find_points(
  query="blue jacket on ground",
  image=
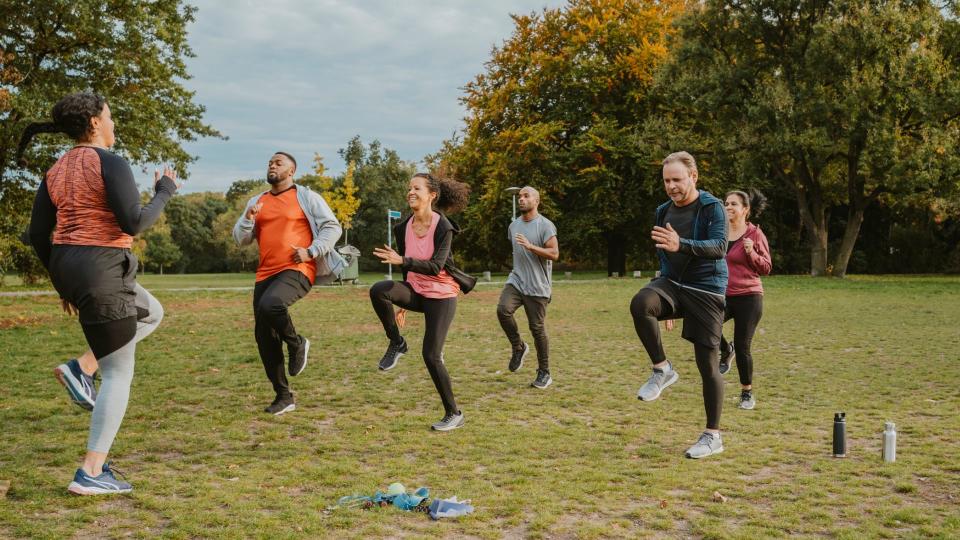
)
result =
(707, 270)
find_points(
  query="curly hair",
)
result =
(71, 115)
(752, 200)
(452, 195)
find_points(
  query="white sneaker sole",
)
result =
(450, 427)
(714, 452)
(77, 489)
(396, 360)
(66, 378)
(666, 385)
(288, 408)
(549, 382)
(306, 351)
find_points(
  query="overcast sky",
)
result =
(305, 76)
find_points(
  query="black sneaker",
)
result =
(746, 400)
(516, 359)
(725, 356)
(298, 357)
(281, 405)
(543, 379)
(393, 354)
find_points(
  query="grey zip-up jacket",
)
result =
(323, 224)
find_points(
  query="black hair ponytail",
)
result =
(71, 115)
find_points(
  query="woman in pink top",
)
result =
(748, 258)
(430, 281)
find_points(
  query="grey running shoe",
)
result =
(516, 359)
(725, 356)
(298, 357)
(280, 406)
(79, 385)
(746, 400)
(543, 379)
(393, 354)
(707, 445)
(449, 422)
(657, 383)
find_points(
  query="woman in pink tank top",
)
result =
(430, 283)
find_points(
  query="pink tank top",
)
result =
(439, 286)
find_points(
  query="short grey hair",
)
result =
(682, 157)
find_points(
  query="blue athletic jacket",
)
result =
(707, 270)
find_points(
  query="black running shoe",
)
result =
(725, 356)
(516, 359)
(393, 354)
(281, 405)
(543, 379)
(298, 357)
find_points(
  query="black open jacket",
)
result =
(442, 258)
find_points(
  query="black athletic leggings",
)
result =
(271, 299)
(648, 308)
(745, 312)
(438, 313)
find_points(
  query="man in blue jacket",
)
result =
(691, 240)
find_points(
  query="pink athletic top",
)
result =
(416, 247)
(745, 269)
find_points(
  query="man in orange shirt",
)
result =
(296, 232)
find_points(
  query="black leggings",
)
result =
(648, 308)
(745, 312)
(438, 313)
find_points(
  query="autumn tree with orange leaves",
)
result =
(559, 107)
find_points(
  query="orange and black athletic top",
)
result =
(280, 225)
(89, 198)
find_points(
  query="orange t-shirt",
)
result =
(282, 224)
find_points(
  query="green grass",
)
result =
(583, 459)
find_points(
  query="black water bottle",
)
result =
(840, 435)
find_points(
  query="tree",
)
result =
(160, 250)
(343, 200)
(130, 51)
(844, 104)
(559, 107)
(381, 179)
(191, 221)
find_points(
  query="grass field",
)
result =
(583, 459)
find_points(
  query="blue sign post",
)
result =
(391, 215)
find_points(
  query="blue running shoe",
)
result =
(78, 384)
(105, 484)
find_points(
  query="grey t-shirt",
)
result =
(681, 219)
(531, 275)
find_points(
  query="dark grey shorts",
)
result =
(100, 281)
(701, 311)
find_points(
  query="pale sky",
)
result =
(305, 76)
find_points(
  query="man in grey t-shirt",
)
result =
(534, 240)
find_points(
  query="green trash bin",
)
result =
(352, 256)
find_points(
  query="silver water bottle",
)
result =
(889, 442)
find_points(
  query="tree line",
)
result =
(846, 114)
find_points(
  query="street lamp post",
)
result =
(513, 192)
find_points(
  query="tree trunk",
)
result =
(850, 234)
(616, 253)
(161, 269)
(814, 217)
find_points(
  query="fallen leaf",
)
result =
(718, 497)
(663, 504)
(233, 466)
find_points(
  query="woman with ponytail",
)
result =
(748, 258)
(85, 215)
(430, 283)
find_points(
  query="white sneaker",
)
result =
(658, 382)
(707, 445)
